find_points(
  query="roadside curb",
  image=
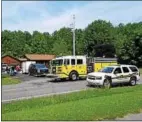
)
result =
(131, 117)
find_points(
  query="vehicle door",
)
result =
(73, 64)
(67, 67)
(81, 67)
(90, 65)
(117, 76)
(126, 74)
(34, 70)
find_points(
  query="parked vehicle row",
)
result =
(97, 71)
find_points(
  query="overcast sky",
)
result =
(48, 16)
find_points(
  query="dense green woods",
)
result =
(127, 41)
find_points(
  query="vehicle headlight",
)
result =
(38, 70)
(98, 78)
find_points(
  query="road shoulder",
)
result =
(132, 117)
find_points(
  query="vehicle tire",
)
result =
(73, 76)
(133, 81)
(29, 74)
(107, 83)
(36, 75)
(88, 84)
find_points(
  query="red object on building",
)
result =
(10, 60)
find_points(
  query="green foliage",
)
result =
(62, 42)
(127, 40)
(98, 32)
(131, 48)
(91, 104)
(140, 70)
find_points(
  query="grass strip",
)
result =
(140, 70)
(92, 104)
(9, 80)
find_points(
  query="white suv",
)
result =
(114, 74)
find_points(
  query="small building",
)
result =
(10, 60)
(34, 58)
(27, 60)
(40, 58)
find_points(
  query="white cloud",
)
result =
(116, 12)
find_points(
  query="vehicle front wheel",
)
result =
(107, 84)
(133, 81)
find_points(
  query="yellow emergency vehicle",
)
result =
(75, 67)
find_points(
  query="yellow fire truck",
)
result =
(75, 67)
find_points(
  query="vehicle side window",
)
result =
(79, 61)
(117, 71)
(125, 69)
(72, 61)
(67, 61)
(133, 69)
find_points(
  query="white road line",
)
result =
(9, 90)
(21, 98)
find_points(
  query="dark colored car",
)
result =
(38, 69)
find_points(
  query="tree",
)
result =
(98, 32)
(97, 39)
(63, 38)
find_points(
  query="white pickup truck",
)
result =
(114, 75)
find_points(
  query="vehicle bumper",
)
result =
(138, 78)
(55, 77)
(94, 82)
(42, 74)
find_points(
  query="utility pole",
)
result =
(74, 35)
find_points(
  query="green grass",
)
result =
(140, 70)
(7, 80)
(92, 104)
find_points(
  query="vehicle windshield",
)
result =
(40, 66)
(107, 70)
(57, 62)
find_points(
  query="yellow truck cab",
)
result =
(75, 67)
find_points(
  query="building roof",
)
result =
(39, 57)
(22, 59)
(10, 56)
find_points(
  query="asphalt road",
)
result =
(39, 86)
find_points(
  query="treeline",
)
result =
(126, 39)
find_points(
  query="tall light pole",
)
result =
(72, 26)
(74, 35)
